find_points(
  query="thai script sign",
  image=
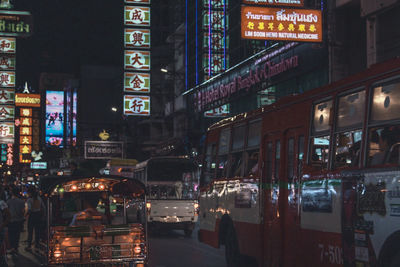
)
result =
(7, 79)
(137, 1)
(137, 105)
(137, 16)
(7, 113)
(137, 60)
(137, 82)
(302, 25)
(239, 83)
(7, 45)
(7, 131)
(7, 96)
(15, 23)
(298, 3)
(7, 62)
(27, 100)
(137, 38)
(103, 149)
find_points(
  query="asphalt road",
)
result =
(166, 249)
(173, 249)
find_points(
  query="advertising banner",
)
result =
(7, 79)
(8, 45)
(7, 113)
(7, 62)
(296, 3)
(27, 100)
(137, 60)
(7, 96)
(137, 16)
(135, 82)
(262, 23)
(39, 165)
(103, 149)
(137, 38)
(137, 1)
(15, 23)
(7, 131)
(221, 111)
(137, 105)
(54, 118)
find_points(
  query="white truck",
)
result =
(172, 192)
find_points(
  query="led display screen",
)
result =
(54, 118)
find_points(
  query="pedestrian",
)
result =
(35, 210)
(16, 207)
(4, 220)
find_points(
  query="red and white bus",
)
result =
(312, 180)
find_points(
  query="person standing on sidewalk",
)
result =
(35, 211)
(4, 220)
(16, 207)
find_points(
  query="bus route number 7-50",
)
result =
(332, 253)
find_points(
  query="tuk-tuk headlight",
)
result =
(137, 249)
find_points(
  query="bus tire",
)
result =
(232, 253)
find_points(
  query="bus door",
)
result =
(272, 227)
(292, 152)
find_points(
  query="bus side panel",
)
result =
(210, 237)
(320, 249)
(250, 239)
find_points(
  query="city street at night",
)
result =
(200, 133)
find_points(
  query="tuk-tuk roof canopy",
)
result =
(116, 184)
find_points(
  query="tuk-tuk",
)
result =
(98, 220)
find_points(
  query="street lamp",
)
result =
(164, 70)
(114, 109)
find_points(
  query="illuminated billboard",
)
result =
(137, 16)
(262, 23)
(137, 105)
(7, 113)
(298, 3)
(7, 62)
(7, 45)
(27, 100)
(137, 38)
(7, 79)
(135, 82)
(7, 96)
(7, 131)
(137, 1)
(54, 118)
(137, 60)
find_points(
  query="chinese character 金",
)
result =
(136, 82)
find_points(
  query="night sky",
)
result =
(67, 35)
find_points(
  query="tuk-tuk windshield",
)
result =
(76, 203)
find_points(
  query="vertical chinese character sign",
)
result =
(7, 97)
(137, 58)
(215, 45)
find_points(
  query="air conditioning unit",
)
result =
(369, 7)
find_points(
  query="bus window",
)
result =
(236, 159)
(209, 168)
(348, 146)
(224, 140)
(268, 162)
(386, 102)
(319, 152)
(322, 112)
(290, 160)
(300, 155)
(384, 144)
(253, 147)
(277, 159)
(350, 116)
